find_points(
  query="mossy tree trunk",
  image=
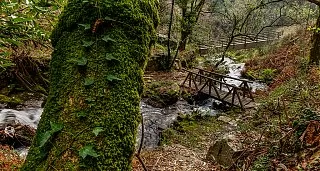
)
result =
(315, 49)
(91, 116)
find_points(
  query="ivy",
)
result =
(55, 128)
(97, 130)
(88, 81)
(82, 61)
(88, 151)
(87, 43)
(113, 78)
(107, 39)
(110, 57)
(82, 114)
(85, 26)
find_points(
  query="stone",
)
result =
(155, 62)
(227, 120)
(226, 150)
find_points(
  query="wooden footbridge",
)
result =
(241, 42)
(215, 85)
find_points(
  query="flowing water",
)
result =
(155, 119)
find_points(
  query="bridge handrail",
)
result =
(221, 82)
(208, 86)
(214, 73)
(263, 36)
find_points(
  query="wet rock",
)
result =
(17, 135)
(163, 100)
(157, 120)
(9, 102)
(203, 50)
(161, 94)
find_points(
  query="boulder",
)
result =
(226, 150)
(156, 62)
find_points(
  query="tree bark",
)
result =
(183, 41)
(91, 116)
(315, 50)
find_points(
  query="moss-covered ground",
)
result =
(192, 131)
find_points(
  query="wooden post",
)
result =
(240, 102)
(210, 84)
(233, 94)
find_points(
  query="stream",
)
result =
(155, 119)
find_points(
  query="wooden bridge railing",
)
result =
(244, 85)
(264, 36)
(218, 88)
(241, 42)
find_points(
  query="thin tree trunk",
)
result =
(183, 41)
(315, 50)
(91, 116)
(169, 37)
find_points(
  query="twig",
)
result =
(141, 144)
(142, 135)
(156, 162)
(142, 163)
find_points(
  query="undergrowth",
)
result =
(288, 114)
(286, 109)
(9, 160)
(281, 63)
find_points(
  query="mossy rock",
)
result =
(10, 101)
(156, 62)
(161, 94)
(164, 99)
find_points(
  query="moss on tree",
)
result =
(101, 48)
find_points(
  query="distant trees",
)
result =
(246, 18)
(92, 112)
(190, 11)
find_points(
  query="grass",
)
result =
(244, 55)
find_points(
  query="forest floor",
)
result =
(282, 133)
